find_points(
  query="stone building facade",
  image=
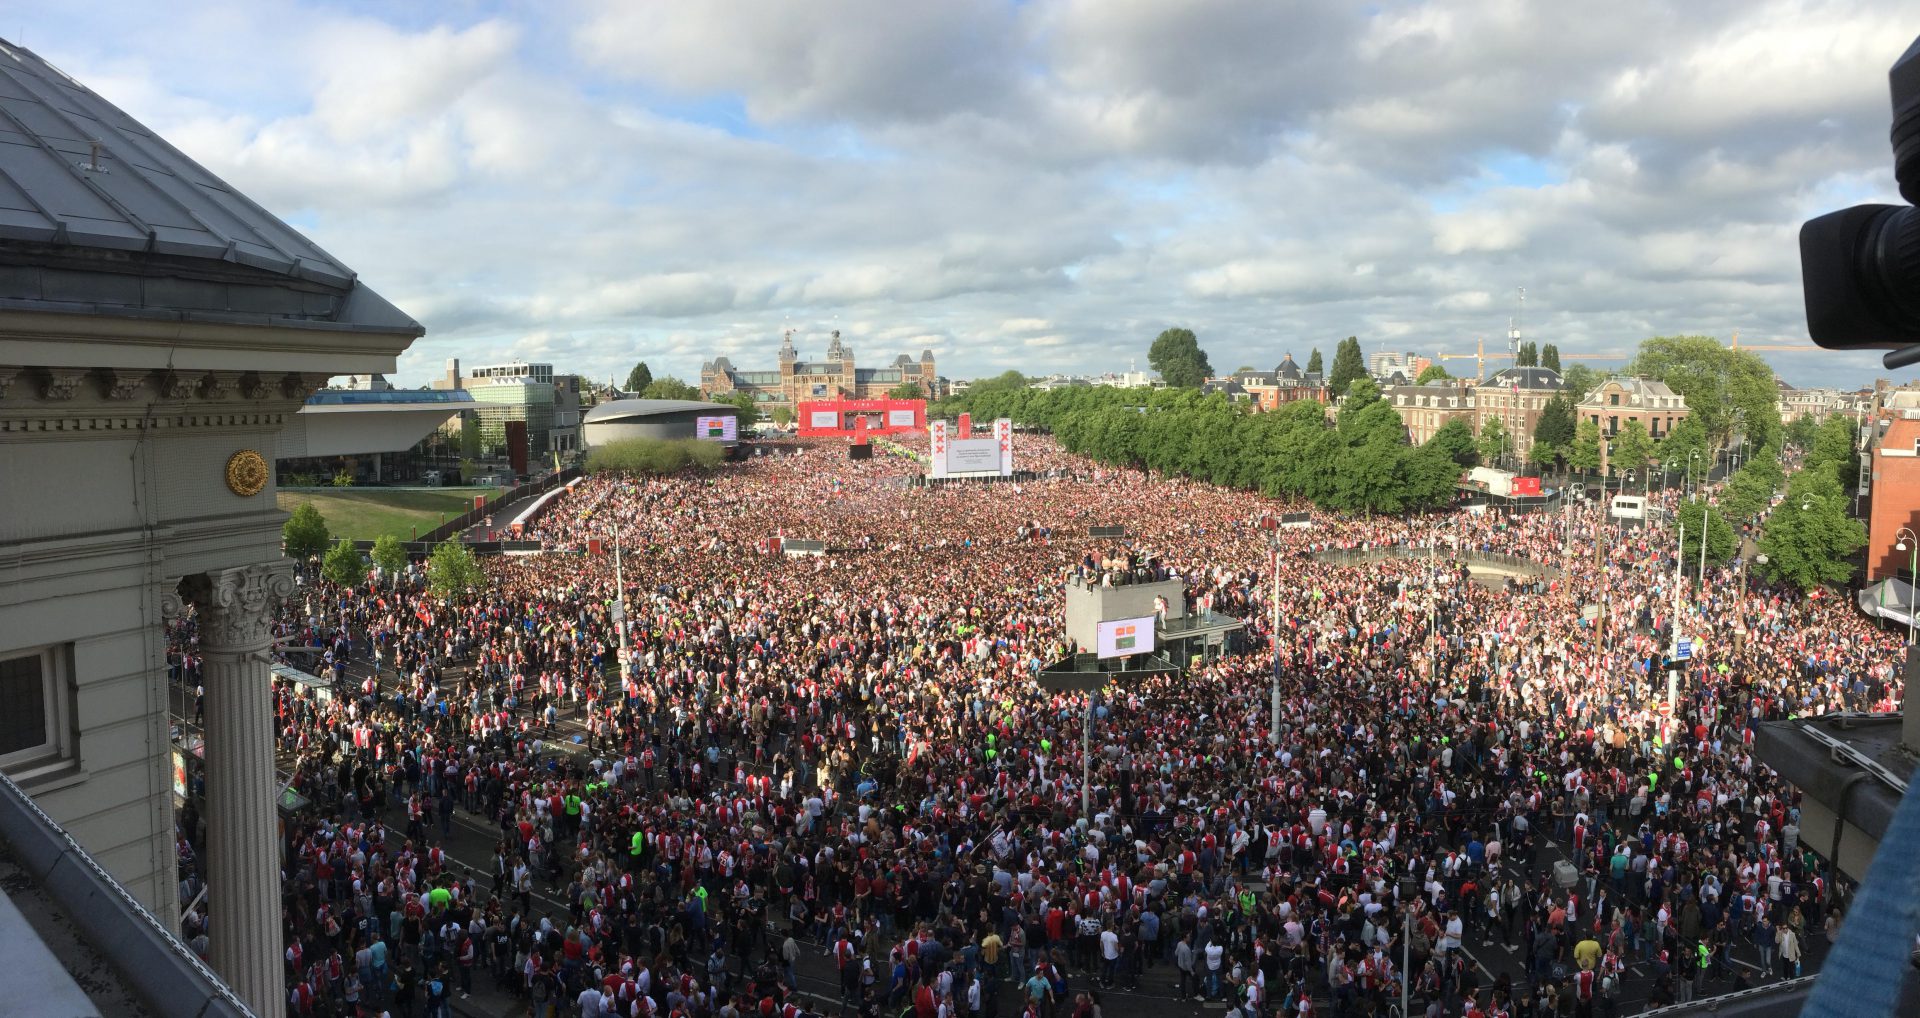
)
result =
(833, 377)
(1620, 400)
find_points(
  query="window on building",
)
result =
(1613, 426)
(1613, 399)
(34, 724)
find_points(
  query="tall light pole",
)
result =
(1273, 721)
(1910, 543)
(620, 613)
(1673, 639)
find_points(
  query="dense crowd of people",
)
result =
(849, 755)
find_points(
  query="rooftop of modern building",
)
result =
(621, 408)
(101, 216)
(387, 397)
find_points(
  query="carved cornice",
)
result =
(120, 385)
(59, 384)
(236, 605)
(219, 384)
(252, 386)
(7, 375)
(180, 384)
(123, 420)
(299, 385)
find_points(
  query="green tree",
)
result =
(304, 535)
(1721, 540)
(1833, 451)
(669, 387)
(1802, 430)
(1176, 354)
(749, 415)
(391, 556)
(1348, 364)
(1554, 432)
(1432, 372)
(639, 378)
(1550, 357)
(1719, 385)
(1581, 380)
(1527, 355)
(783, 415)
(343, 565)
(1684, 447)
(1584, 452)
(1809, 539)
(1314, 362)
(470, 435)
(452, 570)
(1494, 443)
(1631, 449)
(1454, 440)
(905, 390)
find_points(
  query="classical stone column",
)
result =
(243, 845)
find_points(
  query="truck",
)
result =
(1504, 483)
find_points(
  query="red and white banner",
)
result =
(937, 452)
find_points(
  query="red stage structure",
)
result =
(842, 418)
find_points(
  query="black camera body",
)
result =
(1860, 267)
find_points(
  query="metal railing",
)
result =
(493, 505)
(170, 979)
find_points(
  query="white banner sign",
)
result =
(937, 451)
(899, 418)
(974, 456)
(823, 419)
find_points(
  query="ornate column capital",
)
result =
(236, 605)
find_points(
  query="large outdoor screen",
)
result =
(823, 418)
(899, 418)
(716, 429)
(970, 455)
(1121, 637)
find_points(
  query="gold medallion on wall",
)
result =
(246, 473)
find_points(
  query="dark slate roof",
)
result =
(1287, 369)
(1528, 378)
(99, 214)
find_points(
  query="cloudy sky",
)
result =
(1041, 185)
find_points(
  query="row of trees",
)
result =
(1811, 537)
(1359, 462)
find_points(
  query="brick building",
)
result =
(1515, 396)
(1425, 409)
(1271, 390)
(1619, 400)
(1894, 494)
(833, 377)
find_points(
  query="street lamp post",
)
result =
(1910, 543)
(1273, 721)
(620, 613)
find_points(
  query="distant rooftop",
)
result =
(362, 397)
(99, 215)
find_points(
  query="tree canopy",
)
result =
(1584, 452)
(305, 533)
(1432, 372)
(1314, 363)
(1809, 539)
(1362, 462)
(653, 456)
(1631, 449)
(1555, 429)
(639, 378)
(1527, 355)
(749, 409)
(1726, 389)
(1721, 542)
(669, 387)
(1348, 364)
(1581, 380)
(906, 390)
(344, 565)
(390, 555)
(1176, 354)
(1550, 357)
(452, 570)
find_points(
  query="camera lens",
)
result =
(1904, 82)
(1890, 260)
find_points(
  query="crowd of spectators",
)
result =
(848, 755)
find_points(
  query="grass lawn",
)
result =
(363, 514)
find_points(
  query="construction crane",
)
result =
(1801, 347)
(1479, 357)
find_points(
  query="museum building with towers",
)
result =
(832, 377)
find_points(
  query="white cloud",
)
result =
(1042, 185)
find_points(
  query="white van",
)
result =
(1628, 507)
